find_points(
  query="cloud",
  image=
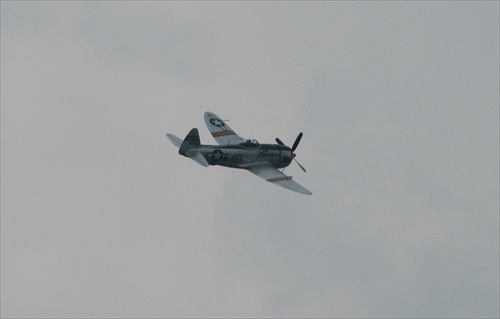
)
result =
(399, 108)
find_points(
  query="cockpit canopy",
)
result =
(250, 143)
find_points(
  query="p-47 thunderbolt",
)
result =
(233, 151)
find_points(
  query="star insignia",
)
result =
(217, 122)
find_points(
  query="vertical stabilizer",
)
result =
(190, 147)
(191, 140)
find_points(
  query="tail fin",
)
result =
(192, 139)
(189, 145)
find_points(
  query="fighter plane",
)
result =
(233, 151)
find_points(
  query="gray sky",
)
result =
(399, 105)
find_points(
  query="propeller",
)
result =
(297, 141)
(299, 165)
(294, 147)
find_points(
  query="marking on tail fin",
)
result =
(192, 140)
(193, 137)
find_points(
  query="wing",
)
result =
(271, 174)
(221, 132)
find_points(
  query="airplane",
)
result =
(234, 151)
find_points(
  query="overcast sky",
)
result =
(399, 105)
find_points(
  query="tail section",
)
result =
(189, 147)
(191, 140)
(174, 139)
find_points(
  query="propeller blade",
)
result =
(279, 141)
(296, 143)
(299, 165)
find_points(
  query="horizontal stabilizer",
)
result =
(197, 157)
(189, 145)
(175, 140)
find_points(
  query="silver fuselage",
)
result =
(239, 156)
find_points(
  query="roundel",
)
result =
(217, 122)
(217, 155)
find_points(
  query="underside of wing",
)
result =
(272, 175)
(221, 132)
